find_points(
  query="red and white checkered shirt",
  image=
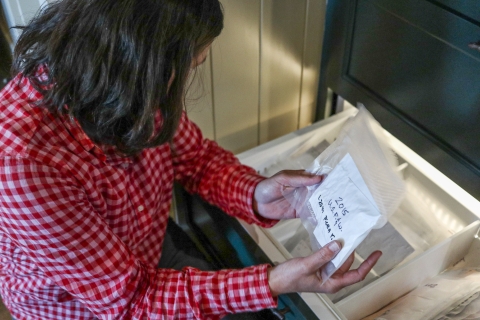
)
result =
(81, 228)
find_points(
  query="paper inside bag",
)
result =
(344, 209)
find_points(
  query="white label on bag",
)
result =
(344, 208)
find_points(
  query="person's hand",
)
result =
(304, 274)
(269, 197)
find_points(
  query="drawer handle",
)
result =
(474, 45)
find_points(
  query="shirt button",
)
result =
(140, 208)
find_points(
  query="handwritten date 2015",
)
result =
(338, 209)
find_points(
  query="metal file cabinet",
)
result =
(415, 65)
(232, 243)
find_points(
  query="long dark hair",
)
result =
(108, 63)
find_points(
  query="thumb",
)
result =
(318, 259)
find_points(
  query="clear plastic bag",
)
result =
(299, 158)
(362, 140)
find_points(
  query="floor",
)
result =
(4, 314)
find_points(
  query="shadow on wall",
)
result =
(271, 127)
(5, 64)
(6, 44)
(4, 314)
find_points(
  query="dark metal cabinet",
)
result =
(412, 64)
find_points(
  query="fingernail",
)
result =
(334, 246)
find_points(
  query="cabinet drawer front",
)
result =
(469, 9)
(414, 57)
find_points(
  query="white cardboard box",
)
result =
(455, 212)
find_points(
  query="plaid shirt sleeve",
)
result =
(215, 174)
(49, 216)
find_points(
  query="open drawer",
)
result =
(438, 220)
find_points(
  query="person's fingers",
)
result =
(368, 264)
(319, 258)
(346, 265)
(298, 178)
(354, 276)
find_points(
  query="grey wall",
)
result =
(260, 81)
(263, 73)
(19, 12)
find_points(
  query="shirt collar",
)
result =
(77, 133)
(104, 153)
